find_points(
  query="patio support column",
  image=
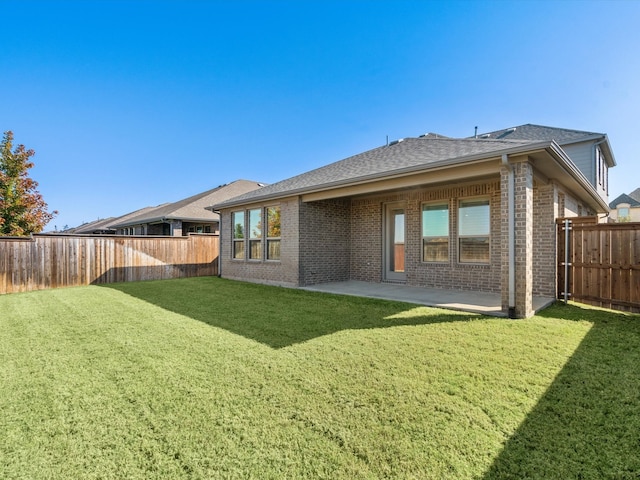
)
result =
(522, 236)
(523, 172)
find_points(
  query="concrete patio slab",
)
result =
(466, 301)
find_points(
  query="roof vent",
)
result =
(511, 130)
(395, 142)
(486, 135)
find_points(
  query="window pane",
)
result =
(255, 224)
(273, 222)
(435, 221)
(398, 228)
(238, 249)
(474, 250)
(255, 249)
(238, 224)
(474, 217)
(435, 249)
(273, 249)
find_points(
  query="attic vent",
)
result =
(486, 135)
(395, 142)
(261, 184)
(511, 130)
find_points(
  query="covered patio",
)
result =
(463, 300)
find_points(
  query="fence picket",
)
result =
(605, 263)
(52, 261)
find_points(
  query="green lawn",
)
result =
(209, 378)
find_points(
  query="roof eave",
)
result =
(162, 219)
(452, 162)
(567, 164)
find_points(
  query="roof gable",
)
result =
(624, 198)
(635, 194)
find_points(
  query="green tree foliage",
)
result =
(22, 209)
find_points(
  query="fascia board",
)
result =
(362, 180)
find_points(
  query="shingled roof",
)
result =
(635, 194)
(100, 225)
(193, 208)
(398, 157)
(624, 198)
(539, 133)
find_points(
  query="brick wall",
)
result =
(324, 241)
(367, 237)
(283, 272)
(545, 211)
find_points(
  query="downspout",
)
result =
(511, 215)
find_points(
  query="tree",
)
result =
(22, 209)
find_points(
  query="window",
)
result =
(255, 234)
(258, 245)
(435, 233)
(600, 166)
(624, 214)
(237, 219)
(273, 233)
(473, 231)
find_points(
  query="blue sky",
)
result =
(136, 103)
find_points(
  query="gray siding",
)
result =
(582, 156)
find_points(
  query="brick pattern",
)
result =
(367, 237)
(545, 211)
(523, 172)
(325, 241)
(284, 272)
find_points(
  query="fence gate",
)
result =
(599, 263)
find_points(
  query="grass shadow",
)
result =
(587, 424)
(276, 316)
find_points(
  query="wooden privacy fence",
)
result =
(52, 261)
(599, 264)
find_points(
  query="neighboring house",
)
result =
(626, 208)
(97, 227)
(185, 216)
(105, 226)
(454, 213)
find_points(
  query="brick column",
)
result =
(504, 237)
(523, 235)
(523, 173)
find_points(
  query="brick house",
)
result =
(475, 214)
